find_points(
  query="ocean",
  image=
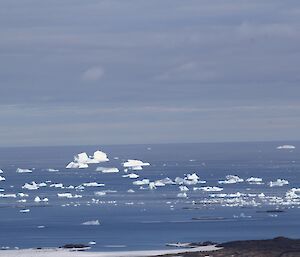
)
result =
(142, 218)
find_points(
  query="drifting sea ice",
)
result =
(253, 180)
(32, 186)
(107, 170)
(287, 147)
(131, 175)
(75, 165)
(141, 182)
(183, 188)
(68, 195)
(2, 178)
(279, 183)
(19, 170)
(93, 184)
(100, 156)
(293, 193)
(208, 189)
(100, 193)
(135, 164)
(91, 223)
(1, 171)
(24, 211)
(182, 195)
(8, 195)
(231, 179)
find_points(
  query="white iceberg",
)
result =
(231, 179)
(130, 191)
(1, 171)
(37, 199)
(91, 223)
(159, 183)
(100, 193)
(24, 211)
(182, 195)
(93, 184)
(107, 170)
(141, 182)
(75, 165)
(254, 180)
(100, 156)
(293, 193)
(193, 176)
(2, 178)
(279, 183)
(183, 188)
(135, 164)
(57, 185)
(68, 195)
(209, 189)
(32, 186)
(131, 175)
(8, 195)
(19, 170)
(52, 170)
(286, 147)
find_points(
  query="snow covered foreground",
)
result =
(66, 253)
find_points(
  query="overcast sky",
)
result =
(140, 71)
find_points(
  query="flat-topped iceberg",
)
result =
(141, 182)
(107, 170)
(135, 164)
(231, 179)
(19, 170)
(75, 165)
(279, 183)
(131, 175)
(209, 189)
(32, 186)
(254, 180)
(91, 223)
(93, 184)
(68, 195)
(287, 147)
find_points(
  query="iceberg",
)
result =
(130, 191)
(2, 178)
(91, 223)
(293, 193)
(193, 176)
(183, 188)
(182, 195)
(32, 186)
(8, 195)
(68, 195)
(141, 182)
(19, 170)
(100, 156)
(107, 170)
(279, 182)
(75, 165)
(231, 179)
(253, 180)
(37, 199)
(24, 211)
(131, 175)
(159, 183)
(286, 147)
(93, 184)
(135, 164)
(209, 189)
(100, 193)
(57, 185)
(52, 170)
(1, 171)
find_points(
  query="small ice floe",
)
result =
(75, 165)
(1, 171)
(131, 175)
(32, 186)
(52, 170)
(8, 195)
(253, 180)
(57, 185)
(24, 210)
(152, 185)
(231, 179)
(41, 226)
(279, 183)
(107, 170)
(2, 190)
(92, 243)
(2, 178)
(159, 183)
(130, 191)
(22, 201)
(135, 164)
(37, 199)
(19, 170)
(100, 193)
(91, 223)
(141, 182)
(293, 193)
(189, 179)
(68, 195)
(22, 195)
(183, 188)
(93, 184)
(209, 189)
(182, 195)
(286, 147)
(167, 181)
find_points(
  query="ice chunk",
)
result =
(253, 180)
(24, 211)
(193, 176)
(1, 171)
(293, 193)
(57, 185)
(2, 178)
(130, 191)
(32, 186)
(152, 185)
(8, 195)
(135, 164)
(37, 199)
(231, 179)
(141, 182)
(92, 243)
(183, 188)
(279, 182)
(287, 147)
(100, 156)
(209, 189)
(167, 181)
(22, 195)
(19, 170)
(131, 175)
(159, 183)
(182, 195)
(75, 165)
(68, 195)
(107, 170)
(100, 193)
(93, 184)
(91, 223)
(52, 170)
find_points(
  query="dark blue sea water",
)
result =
(148, 219)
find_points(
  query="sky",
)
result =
(95, 72)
